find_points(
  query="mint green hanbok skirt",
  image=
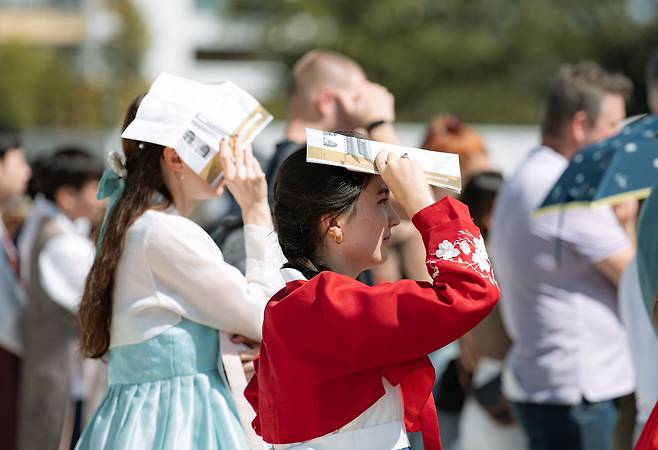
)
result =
(166, 393)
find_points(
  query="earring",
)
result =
(339, 238)
(179, 176)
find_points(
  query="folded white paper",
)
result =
(192, 117)
(324, 147)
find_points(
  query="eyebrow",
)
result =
(384, 191)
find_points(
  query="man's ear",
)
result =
(579, 126)
(324, 103)
(171, 160)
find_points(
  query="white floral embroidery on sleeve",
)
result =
(468, 251)
(447, 250)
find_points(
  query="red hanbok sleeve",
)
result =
(394, 322)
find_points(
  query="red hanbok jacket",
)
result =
(328, 341)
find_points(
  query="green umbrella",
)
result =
(647, 251)
(621, 167)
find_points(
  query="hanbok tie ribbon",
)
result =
(110, 185)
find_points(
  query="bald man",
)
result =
(329, 91)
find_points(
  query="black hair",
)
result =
(68, 166)
(479, 195)
(304, 193)
(34, 185)
(9, 139)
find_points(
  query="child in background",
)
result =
(56, 253)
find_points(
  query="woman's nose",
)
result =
(393, 216)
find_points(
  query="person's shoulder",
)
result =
(164, 225)
(334, 276)
(540, 163)
(173, 233)
(309, 297)
(532, 179)
(324, 278)
(327, 282)
(166, 219)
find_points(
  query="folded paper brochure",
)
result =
(324, 147)
(192, 117)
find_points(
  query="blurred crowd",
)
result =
(566, 360)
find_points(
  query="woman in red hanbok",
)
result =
(344, 365)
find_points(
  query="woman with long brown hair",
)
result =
(159, 291)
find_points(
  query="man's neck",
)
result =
(559, 146)
(296, 129)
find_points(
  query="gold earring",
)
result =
(339, 238)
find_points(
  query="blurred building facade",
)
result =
(191, 38)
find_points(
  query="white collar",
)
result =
(290, 274)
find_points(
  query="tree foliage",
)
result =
(46, 86)
(485, 60)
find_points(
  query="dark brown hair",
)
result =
(479, 195)
(143, 180)
(69, 166)
(9, 139)
(303, 193)
(580, 87)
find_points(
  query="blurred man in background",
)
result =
(328, 91)
(569, 364)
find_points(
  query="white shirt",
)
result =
(642, 340)
(388, 410)
(64, 261)
(560, 311)
(170, 268)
